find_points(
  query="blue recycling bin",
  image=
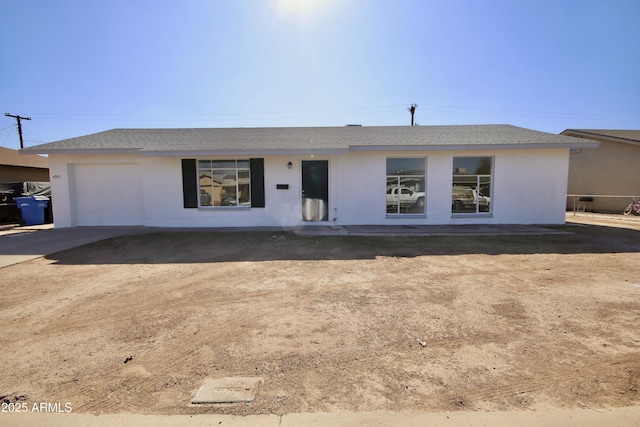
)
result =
(32, 208)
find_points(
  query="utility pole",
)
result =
(412, 110)
(18, 118)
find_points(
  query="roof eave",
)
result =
(78, 151)
(307, 151)
(573, 133)
(23, 166)
(262, 152)
(476, 147)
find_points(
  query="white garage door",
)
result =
(108, 194)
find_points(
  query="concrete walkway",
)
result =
(618, 417)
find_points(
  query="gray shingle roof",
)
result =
(307, 139)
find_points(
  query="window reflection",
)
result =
(406, 186)
(224, 183)
(471, 190)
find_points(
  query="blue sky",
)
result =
(83, 66)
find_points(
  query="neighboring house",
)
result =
(497, 174)
(16, 167)
(610, 170)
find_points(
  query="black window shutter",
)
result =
(189, 183)
(257, 182)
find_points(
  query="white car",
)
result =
(464, 198)
(407, 197)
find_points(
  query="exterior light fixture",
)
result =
(289, 165)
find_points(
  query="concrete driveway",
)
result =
(21, 244)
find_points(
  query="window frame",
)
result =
(405, 212)
(225, 165)
(479, 178)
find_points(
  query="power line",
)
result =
(505, 111)
(346, 114)
(325, 112)
(30, 135)
(72, 115)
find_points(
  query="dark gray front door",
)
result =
(315, 190)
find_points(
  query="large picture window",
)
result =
(472, 178)
(224, 183)
(406, 185)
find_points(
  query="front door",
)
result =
(315, 190)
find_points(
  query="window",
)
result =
(406, 186)
(472, 177)
(224, 183)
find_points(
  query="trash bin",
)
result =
(32, 208)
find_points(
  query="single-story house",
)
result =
(16, 167)
(395, 175)
(608, 176)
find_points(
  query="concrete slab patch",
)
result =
(427, 230)
(228, 390)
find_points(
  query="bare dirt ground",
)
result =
(331, 323)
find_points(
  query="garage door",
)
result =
(108, 194)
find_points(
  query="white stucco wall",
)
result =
(529, 187)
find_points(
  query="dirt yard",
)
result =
(135, 324)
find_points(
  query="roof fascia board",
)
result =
(239, 152)
(448, 147)
(580, 134)
(23, 167)
(470, 147)
(82, 151)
